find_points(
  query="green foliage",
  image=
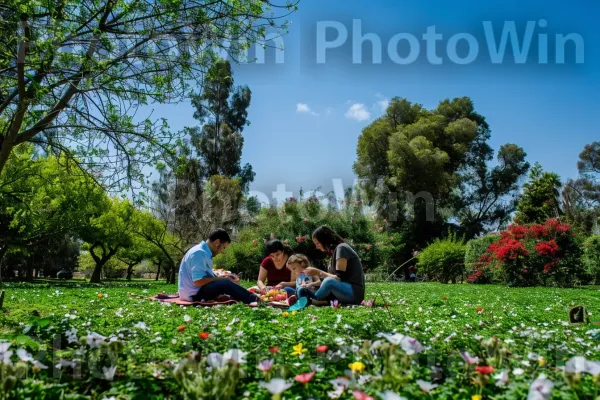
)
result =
(294, 222)
(540, 198)
(477, 270)
(124, 59)
(444, 259)
(591, 257)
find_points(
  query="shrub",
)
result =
(293, 224)
(443, 260)
(476, 270)
(591, 258)
(537, 254)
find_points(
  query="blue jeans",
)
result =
(214, 289)
(331, 289)
(290, 291)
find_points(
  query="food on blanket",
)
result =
(274, 295)
(221, 272)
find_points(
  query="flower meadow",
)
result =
(418, 340)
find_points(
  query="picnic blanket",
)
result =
(175, 299)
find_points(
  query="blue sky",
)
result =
(306, 117)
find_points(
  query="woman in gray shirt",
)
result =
(344, 280)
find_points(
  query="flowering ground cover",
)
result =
(78, 341)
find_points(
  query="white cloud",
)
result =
(382, 103)
(304, 109)
(358, 112)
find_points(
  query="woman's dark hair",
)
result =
(275, 245)
(327, 237)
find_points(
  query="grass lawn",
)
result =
(520, 333)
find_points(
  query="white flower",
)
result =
(186, 318)
(335, 394)
(24, 355)
(38, 365)
(276, 386)
(215, 360)
(426, 386)
(501, 378)
(411, 345)
(94, 340)
(340, 382)
(141, 325)
(389, 395)
(235, 355)
(518, 371)
(468, 359)
(540, 389)
(109, 373)
(395, 339)
(64, 363)
(300, 330)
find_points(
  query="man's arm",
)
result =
(204, 281)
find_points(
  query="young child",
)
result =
(297, 263)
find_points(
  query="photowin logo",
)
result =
(496, 43)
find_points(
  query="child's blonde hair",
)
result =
(299, 259)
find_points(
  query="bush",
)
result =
(537, 254)
(443, 260)
(591, 258)
(293, 224)
(476, 270)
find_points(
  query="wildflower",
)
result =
(276, 386)
(266, 365)
(411, 346)
(235, 355)
(180, 328)
(322, 349)
(362, 396)
(476, 397)
(298, 350)
(99, 295)
(468, 359)
(501, 378)
(484, 369)
(304, 378)
(94, 340)
(187, 319)
(426, 386)
(389, 395)
(540, 389)
(204, 335)
(24, 355)
(273, 349)
(356, 367)
(109, 373)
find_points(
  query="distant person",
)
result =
(198, 282)
(344, 280)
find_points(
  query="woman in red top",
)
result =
(273, 269)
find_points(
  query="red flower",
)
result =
(322, 349)
(204, 335)
(484, 369)
(304, 378)
(180, 328)
(368, 247)
(549, 248)
(362, 396)
(479, 309)
(273, 349)
(444, 298)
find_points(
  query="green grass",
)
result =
(443, 318)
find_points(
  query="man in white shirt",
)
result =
(197, 281)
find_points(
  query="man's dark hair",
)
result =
(219, 234)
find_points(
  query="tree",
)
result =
(486, 198)
(108, 232)
(581, 197)
(74, 72)
(540, 199)
(222, 108)
(43, 199)
(139, 250)
(417, 151)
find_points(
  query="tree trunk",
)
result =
(96, 275)
(158, 270)
(1, 299)
(172, 275)
(130, 270)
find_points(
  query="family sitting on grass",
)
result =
(344, 280)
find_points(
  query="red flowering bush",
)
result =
(540, 254)
(481, 269)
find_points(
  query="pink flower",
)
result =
(304, 378)
(335, 304)
(266, 365)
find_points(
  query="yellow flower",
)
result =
(476, 397)
(542, 362)
(285, 314)
(356, 367)
(298, 350)
(294, 312)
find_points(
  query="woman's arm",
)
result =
(262, 276)
(340, 265)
